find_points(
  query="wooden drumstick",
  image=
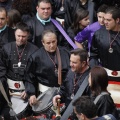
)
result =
(14, 94)
(58, 108)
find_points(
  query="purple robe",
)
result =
(87, 33)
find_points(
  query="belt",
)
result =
(15, 85)
(112, 73)
(43, 88)
(114, 89)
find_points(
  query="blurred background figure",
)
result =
(13, 18)
(6, 4)
(24, 7)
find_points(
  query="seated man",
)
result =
(85, 109)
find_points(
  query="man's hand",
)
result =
(32, 100)
(23, 95)
(55, 98)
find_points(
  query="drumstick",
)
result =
(14, 94)
(58, 110)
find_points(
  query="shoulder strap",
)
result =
(64, 33)
(78, 94)
(109, 117)
(91, 6)
(59, 67)
(4, 94)
(12, 113)
(99, 96)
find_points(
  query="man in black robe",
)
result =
(43, 65)
(42, 21)
(75, 77)
(13, 62)
(6, 33)
(105, 50)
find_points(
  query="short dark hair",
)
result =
(3, 9)
(45, 1)
(23, 26)
(99, 79)
(82, 54)
(102, 8)
(85, 106)
(115, 11)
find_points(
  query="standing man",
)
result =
(106, 48)
(13, 61)
(76, 75)
(6, 33)
(42, 21)
(43, 66)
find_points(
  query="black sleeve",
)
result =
(30, 78)
(94, 52)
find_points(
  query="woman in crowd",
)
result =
(13, 18)
(98, 81)
(81, 20)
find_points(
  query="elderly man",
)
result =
(43, 66)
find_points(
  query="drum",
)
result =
(114, 89)
(20, 107)
(44, 101)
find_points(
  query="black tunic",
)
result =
(10, 58)
(6, 36)
(37, 29)
(41, 69)
(66, 89)
(105, 106)
(57, 4)
(99, 50)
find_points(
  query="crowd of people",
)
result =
(36, 57)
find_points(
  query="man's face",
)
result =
(109, 22)
(44, 10)
(100, 16)
(75, 63)
(21, 37)
(50, 42)
(3, 19)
